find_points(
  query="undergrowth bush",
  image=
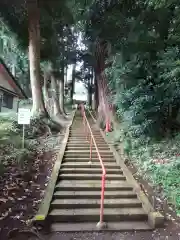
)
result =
(146, 88)
(11, 144)
(157, 161)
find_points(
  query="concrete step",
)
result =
(75, 156)
(94, 203)
(93, 194)
(92, 185)
(87, 144)
(91, 226)
(89, 170)
(89, 215)
(89, 176)
(84, 135)
(85, 147)
(78, 139)
(77, 194)
(84, 141)
(82, 153)
(81, 131)
(81, 135)
(79, 159)
(86, 138)
(86, 165)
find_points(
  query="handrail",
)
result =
(101, 224)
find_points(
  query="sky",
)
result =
(80, 90)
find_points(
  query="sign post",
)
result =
(24, 116)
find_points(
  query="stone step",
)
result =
(81, 131)
(85, 147)
(83, 135)
(80, 159)
(92, 185)
(86, 165)
(86, 138)
(91, 226)
(81, 153)
(74, 135)
(95, 203)
(75, 205)
(78, 139)
(84, 141)
(89, 170)
(87, 144)
(92, 214)
(87, 156)
(89, 176)
(93, 194)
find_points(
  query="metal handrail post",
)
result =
(91, 142)
(101, 224)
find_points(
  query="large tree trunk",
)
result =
(34, 58)
(61, 83)
(90, 90)
(89, 94)
(45, 88)
(96, 94)
(89, 97)
(54, 87)
(73, 83)
(13, 70)
(61, 96)
(47, 99)
(101, 107)
(55, 96)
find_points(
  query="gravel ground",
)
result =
(171, 231)
(162, 234)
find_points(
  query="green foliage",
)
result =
(148, 105)
(11, 143)
(161, 163)
(145, 80)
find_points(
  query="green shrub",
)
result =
(11, 143)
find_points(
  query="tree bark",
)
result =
(89, 94)
(54, 87)
(61, 96)
(96, 93)
(89, 97)
(46, 93)
(61, 82)
(13, 70)
(90, 90)
(38, 107)
(73, 83)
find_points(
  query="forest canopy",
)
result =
(132, 53)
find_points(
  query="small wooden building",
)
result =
(10, 90)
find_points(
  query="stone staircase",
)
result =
(76, 201)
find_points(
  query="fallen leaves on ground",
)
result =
(22, 188)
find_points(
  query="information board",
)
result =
(24, 116)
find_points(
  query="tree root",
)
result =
(42, 125)
(16, 233)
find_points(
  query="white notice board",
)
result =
(24, 116)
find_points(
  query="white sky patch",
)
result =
(80, 89)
